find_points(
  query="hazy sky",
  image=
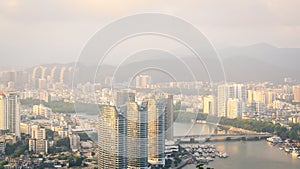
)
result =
(35, 32)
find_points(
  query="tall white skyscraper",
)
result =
(13, 113)
(156, 131)
(10, 113)
(3, 112)
(169, 118)
(222, 100)
(111, 138)
(137, 135)
(169, 114)
(133, 135)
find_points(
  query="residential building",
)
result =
(111, 138)
(156, 131)
(142, 81)
(74, 142)
(210, 105)
(10, 113)
(137, 135)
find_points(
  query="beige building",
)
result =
(63, 133)
(295, 119)
(41, 110)
(37, 132)
(259, 96)
(271, 96)
(210, 105)
(156, 131)
(296, 92)
(234, 108)
(9, 138)
(38, 146)
(142, 81)
(25, 128)
(230, 91)
(111, 138)
(37, 142)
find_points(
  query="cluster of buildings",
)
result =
(134, 127)
(264, 100)
(22, 125)
(231, 100)
(133, 134)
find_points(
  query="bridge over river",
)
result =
(220, 137)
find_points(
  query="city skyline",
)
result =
(150, 84)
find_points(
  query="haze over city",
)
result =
(55, 32)
(150, 84)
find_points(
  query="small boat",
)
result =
(197, 154)
(202, 160)
(274, 139)
(288, 149)
(223, 155)
(209, 159)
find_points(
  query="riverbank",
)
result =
(251, 154)
(288, 146)
(243, 154)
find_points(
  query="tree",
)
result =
(65, 142)
(20, 150)
(75, 161)
(49, 134)
(84, 137)
(10, 149)
(2, 164)
(168, 163)
(201, 166)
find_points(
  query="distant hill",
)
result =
(259, 62)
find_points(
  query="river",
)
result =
(243, 155)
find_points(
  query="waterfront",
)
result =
(242, 154)
(252, 154)
(246, 154)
